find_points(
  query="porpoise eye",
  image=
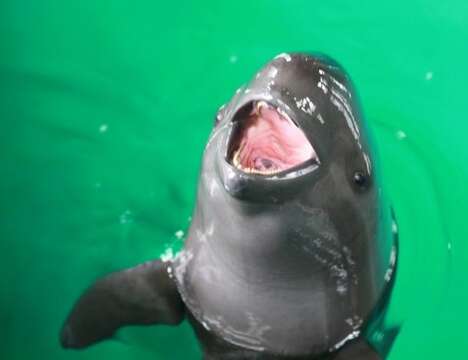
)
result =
(361, 180)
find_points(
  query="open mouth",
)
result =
(268, 142)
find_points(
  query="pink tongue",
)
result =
(270, 141)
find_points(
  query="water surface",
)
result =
(105, 108)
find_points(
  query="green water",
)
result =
(105, 108)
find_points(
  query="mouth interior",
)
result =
(269, 142)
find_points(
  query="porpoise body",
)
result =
(291, 248)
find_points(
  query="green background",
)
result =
(105, 108)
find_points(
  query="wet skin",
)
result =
(290, 249)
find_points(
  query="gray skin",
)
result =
(283, 266)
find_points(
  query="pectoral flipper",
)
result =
(142, 295)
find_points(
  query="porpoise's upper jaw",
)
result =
(266, 141)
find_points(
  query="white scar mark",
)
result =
(340, 344)
(270, 84)
(272, 72)
(201, 236)
(213, 187)
(210, 229)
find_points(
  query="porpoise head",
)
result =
(291, 244)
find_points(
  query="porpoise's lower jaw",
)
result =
(267, 142)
